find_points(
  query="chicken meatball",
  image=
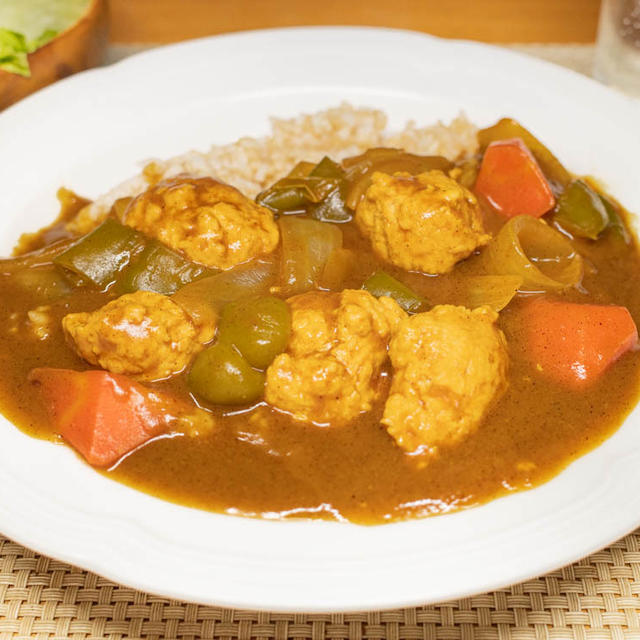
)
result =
(450, 365)
(422, 223)
(210, 222)
(331, 370)
(143, 334)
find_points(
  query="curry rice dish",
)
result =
(330, 322)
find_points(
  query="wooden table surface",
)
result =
(143, 21)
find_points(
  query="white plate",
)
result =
(90, 131)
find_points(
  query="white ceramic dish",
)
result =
(90, 131)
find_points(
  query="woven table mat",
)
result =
(596, 598)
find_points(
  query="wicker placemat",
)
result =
(597, 598)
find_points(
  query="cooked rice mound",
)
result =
(252, 164)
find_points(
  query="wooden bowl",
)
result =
(78, 47)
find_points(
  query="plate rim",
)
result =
(29, 539)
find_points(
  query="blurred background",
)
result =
(42, 41)
(487, 20)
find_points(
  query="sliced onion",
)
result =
(337, 269)
(493, 291)
(35, 258)
(306, 247)
(529, 248)
(203, 298)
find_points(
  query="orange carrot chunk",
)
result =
(575, 343)
(512, 181)
(103, 415)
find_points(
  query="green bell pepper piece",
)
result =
(287, 195)
(259, 328)
(617, 225)
(382, 284)
(102, 254)
(160, 269)
(581, 211)
(327, 168)
(321, 191)
(221, 375)
(301, 170)
(332, 208)
(293, 195)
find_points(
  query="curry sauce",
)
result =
(260, 461)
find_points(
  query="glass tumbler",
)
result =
(617, 58)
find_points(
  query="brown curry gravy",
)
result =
(260, 462)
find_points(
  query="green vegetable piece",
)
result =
(36, 22)
(333, 208)
(32, 17)
(580, 211)
(301, 170)
(617, 225)
(282, 197)
(294, 195)
(102, 254)
(13, 53)
(160, 269)
(382, 284)
(259, 328)
(319, 189)
(327, 168)
(508, 128)
(43, 38)
(221, 375)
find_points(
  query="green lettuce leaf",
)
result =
(13, 53)
(14, 48)
(27, 25)
(46, 36)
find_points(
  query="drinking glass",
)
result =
(617, 59)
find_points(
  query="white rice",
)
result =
(252, 164)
